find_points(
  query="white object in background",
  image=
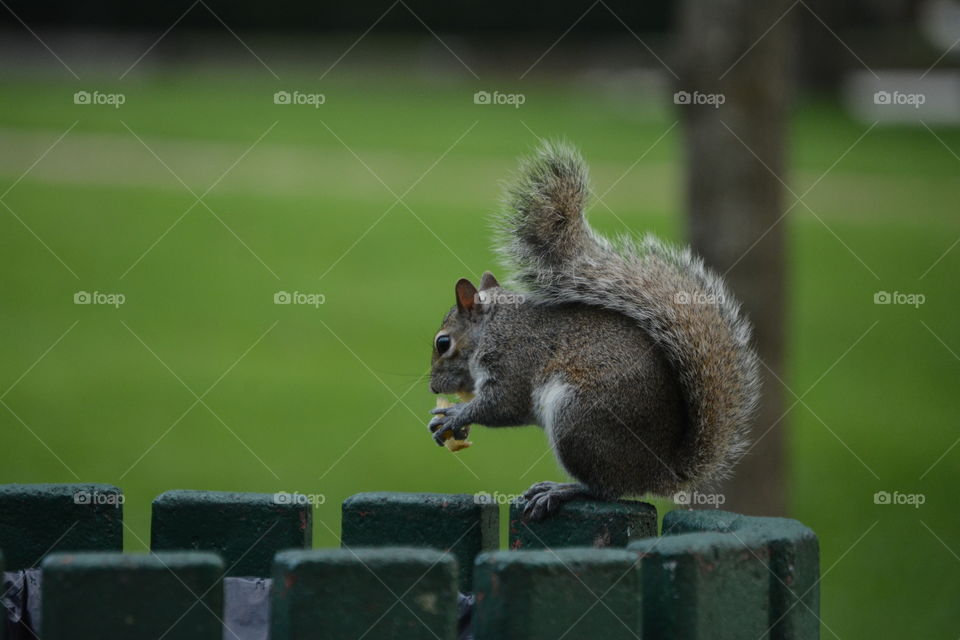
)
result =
(939, 21)
(903, 96)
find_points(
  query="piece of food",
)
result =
(449, 441)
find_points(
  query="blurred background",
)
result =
(229, 232)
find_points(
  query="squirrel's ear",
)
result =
(487, 281)
(466, 295)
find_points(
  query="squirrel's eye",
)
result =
(443, 343)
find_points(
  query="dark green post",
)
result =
(246, 529)
(794, 564)
(584, 523)
(37, 519)
(699, 586)
(3, 623)
(544, 595)
(370, 593)
(462, 524)
(116, 596)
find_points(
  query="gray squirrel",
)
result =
(632, 356)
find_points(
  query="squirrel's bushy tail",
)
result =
(684, 307)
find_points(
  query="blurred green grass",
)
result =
(305, 399)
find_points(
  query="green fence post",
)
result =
(462, 524)
(37, 519)
(794, 564)
(699, 586)
(543, 595)
(116, 596)
(584, 523)
(2, 612)
(371, 593)
(246, 529)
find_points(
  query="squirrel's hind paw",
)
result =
(546, 485)
(545, 498)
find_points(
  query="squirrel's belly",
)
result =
(549, 400)
(619, 441)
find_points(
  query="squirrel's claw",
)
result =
(544, 498)
(439, 433)
(447, 420)
(440, 425)
(441, 429)
(542, 505)
(540, 487)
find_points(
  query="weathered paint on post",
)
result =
(699, 521)
(116, 596)
(246, 529)
(37, 519)
(699, 586)
(371, 593)
(584, 523)
(571, 593)
(458, 523)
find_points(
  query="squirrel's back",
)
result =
(682, 306)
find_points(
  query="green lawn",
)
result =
(303, 398)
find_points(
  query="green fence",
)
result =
(240, 565)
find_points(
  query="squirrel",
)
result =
(631, 355)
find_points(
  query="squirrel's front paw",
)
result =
(447, 420)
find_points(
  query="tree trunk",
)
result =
(735, 158)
